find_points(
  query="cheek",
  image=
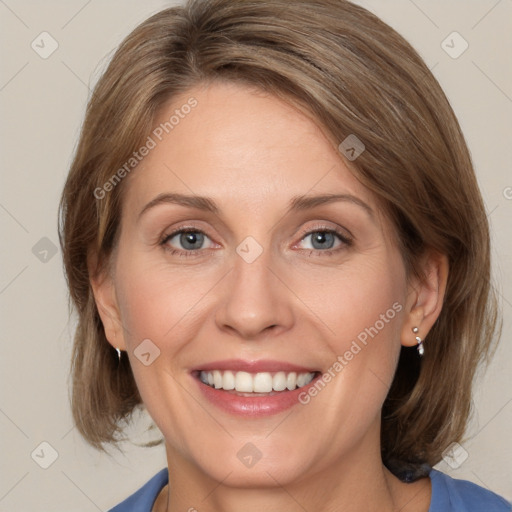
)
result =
(371, 333)
(362, 307)
(361, 300)
(158, 302)
(162, 304)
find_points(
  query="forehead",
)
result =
(241, 146)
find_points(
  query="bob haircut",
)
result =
(353, 74)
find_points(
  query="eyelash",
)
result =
(346, 241)
(177, 252)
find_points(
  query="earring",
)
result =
(421, 348)
(118, 354)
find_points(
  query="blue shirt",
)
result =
(448, 495)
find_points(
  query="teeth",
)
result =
(263, 382)
(301, 380)
(279, 381)
(291, 381)
(243, 382)
(228, 381)
(217, 379)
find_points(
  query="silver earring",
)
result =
(421, 348)
(118, 354)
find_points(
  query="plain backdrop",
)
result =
(42, 103)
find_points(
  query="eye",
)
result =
(191, 241)
(186, 241)
(325, 240)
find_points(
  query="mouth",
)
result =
(254, 388)
(255, 384)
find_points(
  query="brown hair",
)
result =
(355, 75)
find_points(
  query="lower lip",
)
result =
(253, 405)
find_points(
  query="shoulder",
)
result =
(450, 494)
(143, 499)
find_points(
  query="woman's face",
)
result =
(288, 273)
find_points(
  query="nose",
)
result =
(255, 300)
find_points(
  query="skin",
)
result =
(251, 153)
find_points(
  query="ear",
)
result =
(102, 283)
(425, 298)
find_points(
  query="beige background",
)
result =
(42, 105)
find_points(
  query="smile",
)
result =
(262, 382)
(253, 388)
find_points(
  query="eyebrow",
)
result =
(305, 202)
(297, 203)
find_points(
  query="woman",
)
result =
(270, 231)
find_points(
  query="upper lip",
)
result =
(263, 365)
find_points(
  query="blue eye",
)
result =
(189, 241)
(322, 239)
(326, 241)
